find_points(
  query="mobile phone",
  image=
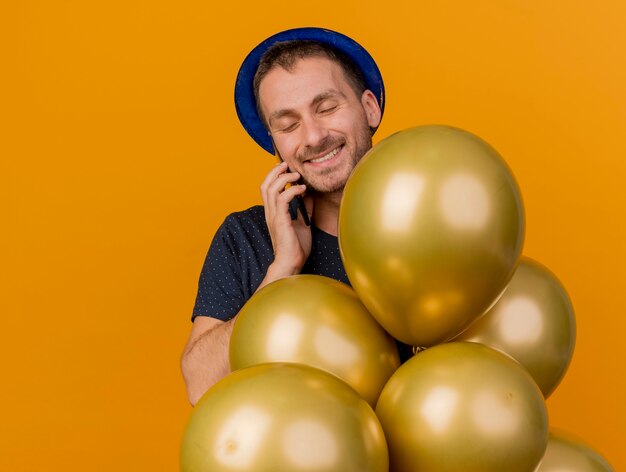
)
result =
(297, 203)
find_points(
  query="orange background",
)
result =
(121, 154)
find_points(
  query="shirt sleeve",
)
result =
(220, 288)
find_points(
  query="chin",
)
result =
(327, 187)
(332, 182)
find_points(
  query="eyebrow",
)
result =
(331, 93)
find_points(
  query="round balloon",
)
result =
(463, 406)
(317, 321)
(565, 454)
(283, 417)
(431, 228)
(533, 322)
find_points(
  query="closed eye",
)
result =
(328, 109)
(288, 128)
(328, 105)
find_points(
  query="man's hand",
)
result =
(205, 358)
(291, 239)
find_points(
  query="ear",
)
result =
(372, 110)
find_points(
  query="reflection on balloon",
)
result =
(464, 202)
(431, 227)
(533, 322)
(284, 337)
(463, 406)
(317, 321)
(309, 443)
(565, 454)
(283, 417)
(439, 408)
(250, 425)
(400, 202)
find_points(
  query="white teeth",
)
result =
(328, 156)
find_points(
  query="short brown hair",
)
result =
(285, 54)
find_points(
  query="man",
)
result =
(315, 97)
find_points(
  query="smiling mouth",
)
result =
(326, 157)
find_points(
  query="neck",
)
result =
(326, 211)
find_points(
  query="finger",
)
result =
(281, 182)
(275, 189)
(273, 174)
(269, 201)
(288, 195)
(278, 218)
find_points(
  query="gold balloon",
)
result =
(463, 407)
(431, 227)
(317, 321)
(533, 322)
(565, 454)
(283, 417)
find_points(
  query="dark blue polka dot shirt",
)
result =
(239, 257)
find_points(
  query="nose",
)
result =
(314, 132)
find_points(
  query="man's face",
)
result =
(319, 125)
